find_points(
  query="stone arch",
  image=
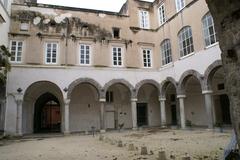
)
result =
(146, 81)
(184, 78)
(209, 73)
(165, 83)
(119, 81)
(90, 81)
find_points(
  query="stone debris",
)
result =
(101, 137)
(162, 155)
(120, 144)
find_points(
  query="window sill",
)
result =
(212, 45)
(169, 65)
(189, 55)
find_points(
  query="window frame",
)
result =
(144, 22)
(16, 51)
(90, 54)
(206, 28)
(165, 49)
(162, 18)
(180, 4)
(150, 55)
(181, 41)
(57, 52)
(122, 56)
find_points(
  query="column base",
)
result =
(134, 128)
(102, 131)
(66, 133)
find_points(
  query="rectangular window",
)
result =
(162, 17)
(147, 58)
(144, 19)
(84, 54)
(166, 52)
(117, 56)
(116, 33)
(51, 53)
(16, 50)
(109, 96)
(180, 4)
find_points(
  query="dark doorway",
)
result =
(142, 119)
(47, 115)
(174, 114)
(225, 107)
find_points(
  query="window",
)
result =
(117, 56)
(147, 58)
(185, 41)
(51, 53)
(109, 96)
(166, 52)
(144, 19)
(84, 54)
(180, 4)
(116, 32)
(162, 17)
(16, 51)
(209, 30)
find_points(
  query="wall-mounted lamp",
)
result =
(65, 89)
(19, 90)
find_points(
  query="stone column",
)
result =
(163, 112)
(19, 101)
(209, 107)
(66, 116)
(134, 113)
(102, 115)
(182, 110)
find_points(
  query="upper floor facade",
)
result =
(143, 35)
(5, 6)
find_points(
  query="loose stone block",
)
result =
(120, 144)
(162, 155)
(101, 137)
(131, 147)
(144, 150)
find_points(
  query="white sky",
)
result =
(106, 5)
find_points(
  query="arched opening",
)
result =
(47, 115)
(221, 100)
(42, 108)
(148, 106)
(195, 111)
(84, 108)
(118, 107)
(172, 107)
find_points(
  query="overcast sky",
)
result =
(107, 5)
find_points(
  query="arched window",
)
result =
(166, 52)
(209, 30)
(185, 41)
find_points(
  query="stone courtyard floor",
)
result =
(198, 144)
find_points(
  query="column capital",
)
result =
(102, 100)
(162, 98)
(67, 101)
(181, 96)
(207, 92)
(134, 99)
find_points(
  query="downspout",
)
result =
(66, 40)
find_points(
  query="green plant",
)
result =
(5, 65)
(218, 124)
(188, 123)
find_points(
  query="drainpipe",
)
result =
(66, 40)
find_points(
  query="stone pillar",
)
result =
(19, 101)
(66, 116)
(134, 113)
(182, 110)
(209, 108)
(163, 112)
(102, 115)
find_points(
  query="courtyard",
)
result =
(196, 143)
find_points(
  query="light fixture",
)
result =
(19, 90)
(65, 89)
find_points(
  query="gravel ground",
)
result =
(198, 144)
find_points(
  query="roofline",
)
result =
(41, 5)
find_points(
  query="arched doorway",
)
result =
(47, 115)
(221, 100)
(42, 108)
(148, 105)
